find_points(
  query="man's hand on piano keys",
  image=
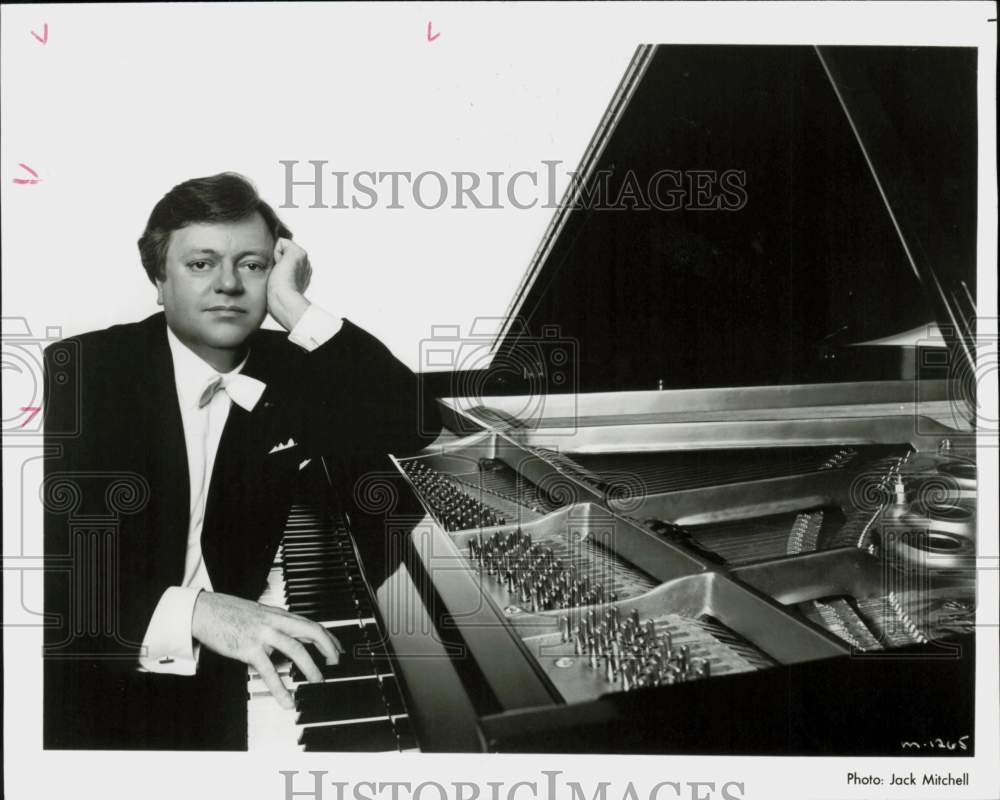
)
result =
(250, 632)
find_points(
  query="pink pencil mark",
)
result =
(24, 181)
(45, 34)
(429, 37)
(34, 410)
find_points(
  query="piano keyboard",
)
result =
(357, 706)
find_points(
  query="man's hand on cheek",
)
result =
(287, 282)
(249, 632)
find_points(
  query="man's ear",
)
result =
(159, 291)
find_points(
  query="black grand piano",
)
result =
(712, 489)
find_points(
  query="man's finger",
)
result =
(298, 654)
(308, 631)
(269, 675)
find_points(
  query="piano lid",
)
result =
(745, 213)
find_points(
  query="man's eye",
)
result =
(199, 266)
(255, 266)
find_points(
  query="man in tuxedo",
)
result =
(164, 512)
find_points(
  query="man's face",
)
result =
(214, 293)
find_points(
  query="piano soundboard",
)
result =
(358, 705)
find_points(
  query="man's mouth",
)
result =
(228, 309)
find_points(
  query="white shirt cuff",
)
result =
(314, 328)
(168, 646)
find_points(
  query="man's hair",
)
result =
(226, 197)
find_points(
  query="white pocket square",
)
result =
(304, 464)
(283, 446)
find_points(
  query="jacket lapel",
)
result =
(166, 452)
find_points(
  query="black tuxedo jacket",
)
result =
(116, 499)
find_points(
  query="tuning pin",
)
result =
(629, 633)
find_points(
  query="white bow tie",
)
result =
(242, 390)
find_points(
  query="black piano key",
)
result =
(314, 571)
(326, 613)
(307, 525)
(313, 558)
(361, 640)
(305, 570)
(324, 528)
(333, 610)
(320, 588)
(331, 597)
(304, 551)
(347, 668)
(330, 702)
(347, 602)
(359, 659)
(330, 563)
(303, 547)
(390, 694)
(404, 733)
(323, 578)
(300, 561)
(319, 581)
(357, 737)
(302, 589)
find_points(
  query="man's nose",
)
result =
(228, 279)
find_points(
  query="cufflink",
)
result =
(165, 660)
